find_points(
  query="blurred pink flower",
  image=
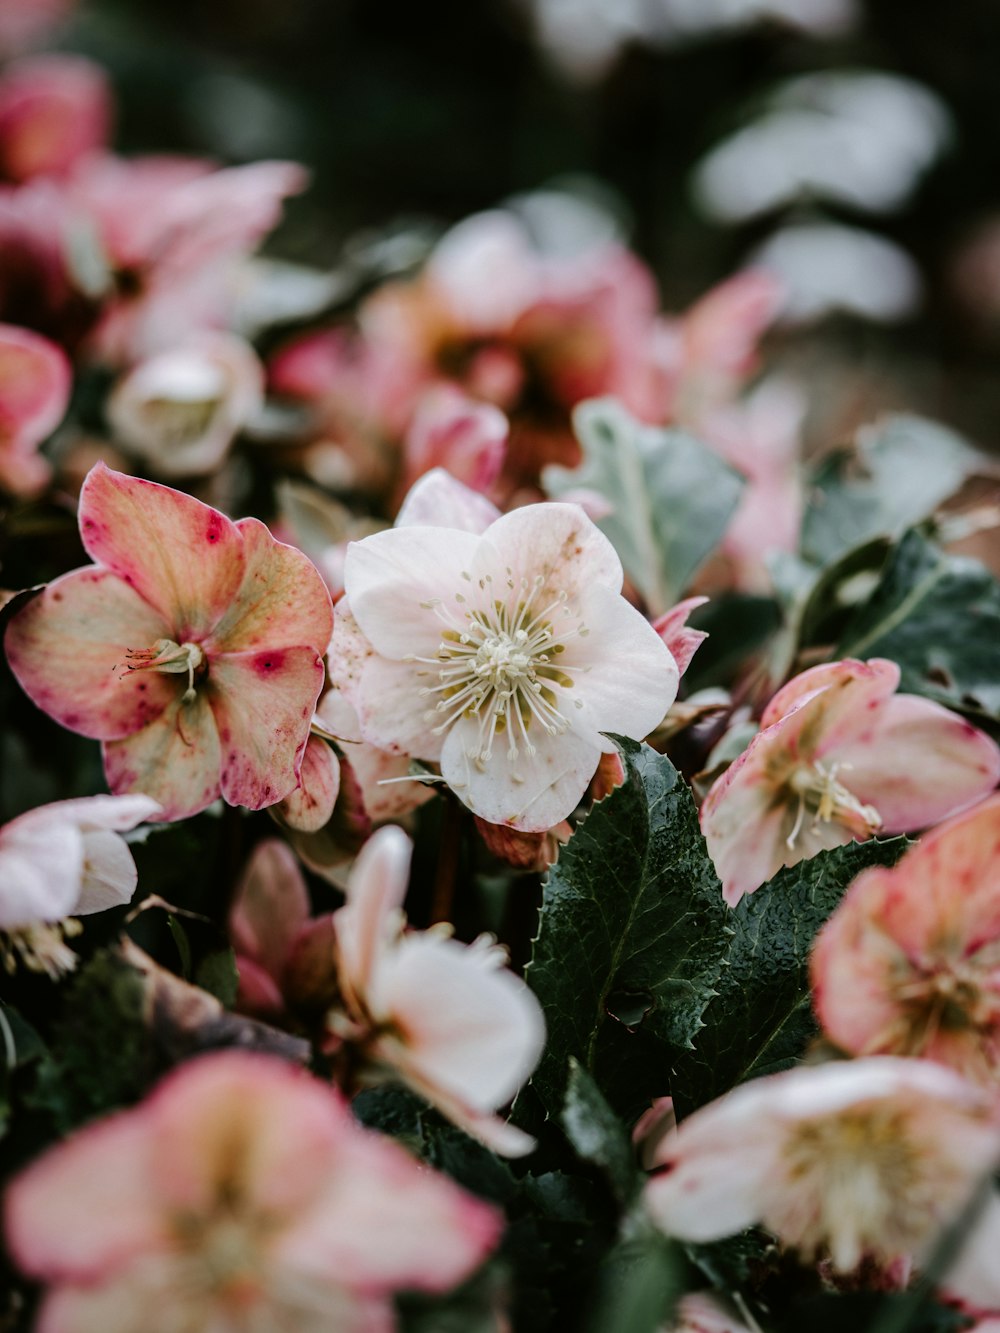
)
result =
(62, 860)
(54, 111)
(181, 409)
(466, 438)
(240, 1194)
(504, 657)
(23, 23)
(909, 963)
(446, 1018)
(862, 1160)
(192, 649)
(35, 385)
(840, 756)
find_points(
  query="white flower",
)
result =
(503, 656)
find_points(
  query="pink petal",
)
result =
(54, 109)
(258, 993)
(35, 384)
(917, 763)
(270, 906)
(263, 704)
(309, 806)
(54, 1229)
(391, 1223)
(68, 649)
(722, 330)
(672, 627)
(857, 685)
(439, 500)
(371, 919)
(184, 558)
(175, 760)
(281, 600)
(457, 433)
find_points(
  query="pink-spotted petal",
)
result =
(557, 541)
(263, 704)
(184, 558)
(281, 600)
(270, 907)
(309, 805)
(392, 579)
(852, 687)
(917, 763)
(175, 760)
(68, 649)
(532, 792)
(53, 1227)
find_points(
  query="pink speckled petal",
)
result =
(309, 805)
(175, 760)
(851, 687)
(184, 558)
(68, 648)
(263, 704)
(281, 600)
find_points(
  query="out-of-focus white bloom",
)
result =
(61, 860)
(825, 267)
(447, 1018)
(857, 138)
(182, 409)
(863, 1159)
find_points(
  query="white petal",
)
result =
(41, 862)
(371, 918)
(109, 873)
(558, 541)
(439, 500)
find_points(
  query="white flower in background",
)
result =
(504, 657)
(446, 1018)
(63, 860)
(858, 1160)
(182, 409)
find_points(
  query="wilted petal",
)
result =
(175, 760)
(182, 557)
(263, 704)
(68, 649)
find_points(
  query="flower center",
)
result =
(859, 1184)
(498, 662)
(169, 658)
(951, 996)
(821, 794)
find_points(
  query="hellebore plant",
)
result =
(241, 1194)
(840, 755)
(854, 1160)
(192, 648)
(63, 860)
(503, 656)
(909, 964)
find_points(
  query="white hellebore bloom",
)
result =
(503, 656)
(63, 860)
(446, 1018)
(857, 1159)
(181, 409)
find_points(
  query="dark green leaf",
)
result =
(217, 973)
(632, 908)
(898, 472)
(671, 496)
(597, 1134)
(180, 938)
(938, 616)
(640, 1283)
(761, 1019)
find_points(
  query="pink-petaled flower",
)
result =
(192, 648)
(54, 110)
(182, 409)
(241, 1194)
(63, 860)
(909, 963)
(854, 1161)
(35, 384)
(840, 755)
(465, 437)
(23, 23)
(704, 1312)
(503, 656)
(446, 1018)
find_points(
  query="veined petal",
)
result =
(917, 763)
(183, 557)
(263, 704)
(391, 578)
(68, 649)
(281, 600)
(371, 919)
(628, 677)
(532, 792)
(175, 760)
